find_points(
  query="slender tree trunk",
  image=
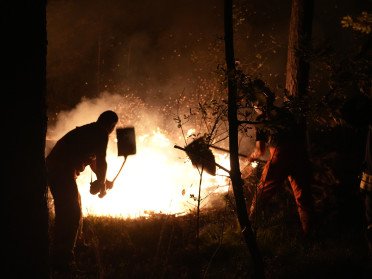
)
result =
(237, 183)
(24, 122)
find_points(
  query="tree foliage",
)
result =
(361, 23)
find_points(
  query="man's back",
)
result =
(78, 147)
(278, 127)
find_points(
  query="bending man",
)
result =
(80, 147)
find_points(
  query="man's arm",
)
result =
(100, 167)
(259, 151)
(260, 145)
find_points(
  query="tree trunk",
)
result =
(297, 73)
(237, 183)
(300, 28)
(25, 242)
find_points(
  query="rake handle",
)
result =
(122, 165)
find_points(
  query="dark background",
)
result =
(158, 49)
(77, 68)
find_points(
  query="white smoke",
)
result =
(157, 179)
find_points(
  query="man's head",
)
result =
(108, 120)
(263, 102)
(260, 96)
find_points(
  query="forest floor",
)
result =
(165, 246)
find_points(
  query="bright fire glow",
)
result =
(158, 179)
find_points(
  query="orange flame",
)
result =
(158, 179)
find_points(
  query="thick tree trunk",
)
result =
(237, 183)
(300, 28)
(24, 187)
(299, 39)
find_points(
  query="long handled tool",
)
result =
(126, 143)
(205, 165)
(122, 165)
(201, 156)
(226, 150)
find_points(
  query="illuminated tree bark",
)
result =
(25, 242)
(297, 72)
(300, 28)
(235, 176)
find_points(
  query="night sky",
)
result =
(158, 49)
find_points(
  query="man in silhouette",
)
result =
(85, 145)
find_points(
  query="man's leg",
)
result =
(300, 183)
(67, 222)
(273, 175)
